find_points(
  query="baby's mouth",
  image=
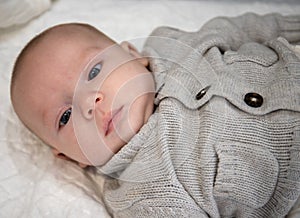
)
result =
(111, 122)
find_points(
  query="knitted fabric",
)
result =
(205, 152)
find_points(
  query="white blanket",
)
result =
(32, 182)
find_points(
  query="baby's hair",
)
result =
(72, 27)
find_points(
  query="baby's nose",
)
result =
(90, 105)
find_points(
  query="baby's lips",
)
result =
(110, 120)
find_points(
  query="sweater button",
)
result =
(202, 93)
(253, 99)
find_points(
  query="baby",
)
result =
(203, 124)
(43, 86)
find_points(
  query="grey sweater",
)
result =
(224, 140)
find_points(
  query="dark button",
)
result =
(253, 99)
(202, 93)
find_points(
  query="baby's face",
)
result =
(84, 99)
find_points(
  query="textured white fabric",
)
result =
(15, 12)
(216, 156)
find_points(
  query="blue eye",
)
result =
(94, 71)
(65, 117)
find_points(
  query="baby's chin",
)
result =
(138, 119)
(133, 119)
(129, 128)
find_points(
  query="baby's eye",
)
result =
(65, 117)
(94, 71)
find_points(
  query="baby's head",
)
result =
(82, 93)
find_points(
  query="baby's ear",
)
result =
(128, 47)
(82, 165)
(60, 155)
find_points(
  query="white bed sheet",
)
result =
(32, 182)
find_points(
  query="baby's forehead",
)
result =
(59, 49)
(66, 38)
(74, 32)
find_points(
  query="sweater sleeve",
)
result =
(236, 31)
